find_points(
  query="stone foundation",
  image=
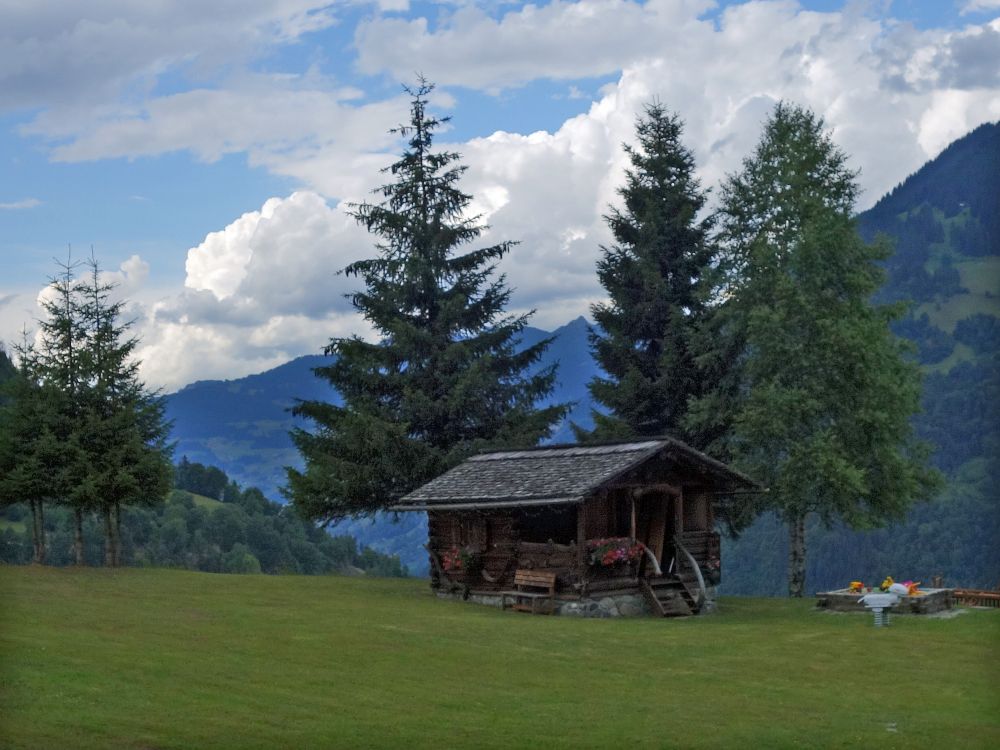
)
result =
(616, 605)
(611, 605)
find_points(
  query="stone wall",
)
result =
(612, 605)
(615, 605)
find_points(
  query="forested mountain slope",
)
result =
(242, 426)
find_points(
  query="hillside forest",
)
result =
(209, 523)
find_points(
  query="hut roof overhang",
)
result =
(558, 475)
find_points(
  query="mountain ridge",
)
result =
(221, 422)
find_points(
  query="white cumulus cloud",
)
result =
(262, 290)
(264, 287)
(20, 205)
(978, 6)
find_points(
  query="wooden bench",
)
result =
(531, 587)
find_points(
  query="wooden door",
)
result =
(652, 520)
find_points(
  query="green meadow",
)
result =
(155, 659)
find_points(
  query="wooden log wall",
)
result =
(490, 533)
(497, 537)
(703, 545)
(697, 511)
(598, 517)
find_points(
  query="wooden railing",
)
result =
(652, 559)
(703, 545)
(977, 598)
(702, 593)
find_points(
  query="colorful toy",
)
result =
(906, 588)
(913, 588)
(856, 587)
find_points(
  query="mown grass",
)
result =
(202, 501)
(979, 276)
(171, 659)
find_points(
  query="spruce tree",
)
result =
(78, 426)
(8, 369)
(817, 396)
(121, 424)
(447, 377)
(645, 336)
(30, 452)
(59, 368)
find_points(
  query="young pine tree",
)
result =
(447, 377)
(30, 452)
(645, 336)
(818, 396)
(78, 427)
(59, 369)
(121, 424)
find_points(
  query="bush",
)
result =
(16, 512)
(15, 548)
(980, 332)
(240, 560)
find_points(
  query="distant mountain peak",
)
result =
(963, 176)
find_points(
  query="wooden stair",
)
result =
(669, 596)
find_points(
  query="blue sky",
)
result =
(205, 149)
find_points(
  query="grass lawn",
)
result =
(201, 501)
(160, 659)
(981, 276)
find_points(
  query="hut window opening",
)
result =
(473, 531)
(556, 523)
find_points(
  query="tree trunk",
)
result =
(796, 555)
(38, 532)
(109, 538)
(118, 534)
(78, 536)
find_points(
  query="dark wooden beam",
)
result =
(647, 487)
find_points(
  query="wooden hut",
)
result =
(618, 519)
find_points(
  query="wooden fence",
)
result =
(977, 597)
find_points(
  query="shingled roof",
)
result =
(550, 475)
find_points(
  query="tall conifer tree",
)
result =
(447, 378)
(8, 369)
(79, 427)
(31, 456)
(644, 340)
(122, 424)
(818, 396)
(59, 369)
